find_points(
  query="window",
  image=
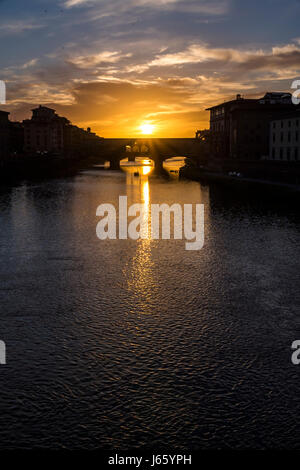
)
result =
(289, 124)
(273, 153)
(288, 153)
(296, 153)
(281, 153)
(281, 137)
(274, 137)
(289, 136)
(297, 136)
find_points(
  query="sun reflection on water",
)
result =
(139, 271)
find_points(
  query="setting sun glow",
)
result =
(147, 129)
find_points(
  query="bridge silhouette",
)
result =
(114, 150)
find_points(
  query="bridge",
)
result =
(158, 150)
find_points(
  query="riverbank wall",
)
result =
(238, 182)
(31, 167)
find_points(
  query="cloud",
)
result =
(282, 57)
(205, 75)
(37, 93)
(30, 63)
(120, 102)
(73, 3)
(206, 7)
(133, 60)
(18, 27)
(85, 61)
(136, 68)
(212, 7)
(7, 71)
(286, 49)
(279, 62)
(197, 53)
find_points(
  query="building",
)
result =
(80, 142)
(47, 133)
(4, 136)
(285, 138)
(16, 141)
(239, 129)
(11, 137)
(44, 132)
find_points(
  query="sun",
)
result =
(147, 128)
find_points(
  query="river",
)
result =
(122, 344)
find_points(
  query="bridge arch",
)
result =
(156, 149)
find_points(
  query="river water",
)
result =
(122, 344)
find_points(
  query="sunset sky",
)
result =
(115, 65)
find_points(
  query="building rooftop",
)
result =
(272, 98)
(43, 108)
